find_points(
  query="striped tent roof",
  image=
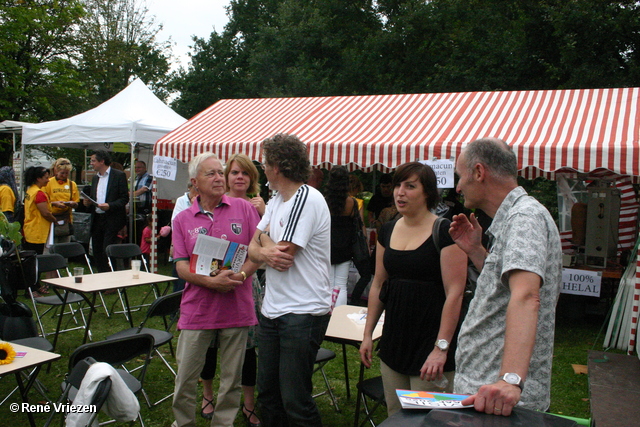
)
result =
(551, 130)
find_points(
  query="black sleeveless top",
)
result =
(342, 236)
(413, 303)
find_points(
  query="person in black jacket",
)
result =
(109, 189)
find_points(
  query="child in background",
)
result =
(145, 241)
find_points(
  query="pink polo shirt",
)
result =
(234, 220)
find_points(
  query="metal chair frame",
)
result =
(54, 263)
(373, 389)
(323, 357)
(167, 307)
(124, 252)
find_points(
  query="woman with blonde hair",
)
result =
(242, 181)
(64, 196)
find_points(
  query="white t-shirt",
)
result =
(305, 221)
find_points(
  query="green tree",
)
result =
(345, 47)
(38, 80)
(119, 43)
(281, 48)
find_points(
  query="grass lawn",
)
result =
(575, 336)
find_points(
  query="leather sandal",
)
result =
(248, 417)
(207, 415)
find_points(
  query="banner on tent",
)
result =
(444, 170)
(581, 282)
(165, 167)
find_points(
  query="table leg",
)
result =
(358, 397)
(25, 389)
(346, 369)
(64, 303)
(92, 308)
(126, 302)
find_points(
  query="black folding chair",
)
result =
(75, 250)
(54, 263)
(323, 357)
(72, 383)
(117, 352)
(167, 307)
(123, 253)
(18, 327)
(373, 389)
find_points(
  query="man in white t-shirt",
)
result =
(297, 301)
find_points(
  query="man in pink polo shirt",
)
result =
(217, 308)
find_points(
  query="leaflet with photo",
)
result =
(211, 254)
(413, 399)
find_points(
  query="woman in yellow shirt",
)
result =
(37, 210)
(64, 196)
(8, 192)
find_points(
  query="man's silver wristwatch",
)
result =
(442, 344)
(513, 379)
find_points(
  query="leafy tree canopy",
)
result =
(344, 47)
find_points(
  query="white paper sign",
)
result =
(165, 167)
(581, 282)
(444, 170)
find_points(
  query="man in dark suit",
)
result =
(109, 189)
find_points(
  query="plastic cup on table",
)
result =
(135, 267)
(78, 272)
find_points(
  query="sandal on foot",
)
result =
(207, 415)
(246, 411)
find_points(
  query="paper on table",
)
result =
(413, 399)
(360, 318)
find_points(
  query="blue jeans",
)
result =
(288, 347)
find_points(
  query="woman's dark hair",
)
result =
(8, 178)
(337, 190)
(425, 175)
(32, 174)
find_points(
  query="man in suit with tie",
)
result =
(109, 189)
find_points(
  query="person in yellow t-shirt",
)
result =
(37, 210)
(8, 192)
(63, 194)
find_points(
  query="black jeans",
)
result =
(288, 348)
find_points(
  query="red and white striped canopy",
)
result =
(551, 130)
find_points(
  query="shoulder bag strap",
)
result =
(435, 233)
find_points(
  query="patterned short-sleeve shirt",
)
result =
(524, 237)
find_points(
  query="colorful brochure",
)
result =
(412, 399)
(211, 254)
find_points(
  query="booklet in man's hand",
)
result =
(412, 399)
(211, 254)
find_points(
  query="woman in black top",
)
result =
(342, 208)
(422, 291)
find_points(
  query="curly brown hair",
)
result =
(289, 155)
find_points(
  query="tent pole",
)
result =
(154, 224)
(132, 189)
(21, 178)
